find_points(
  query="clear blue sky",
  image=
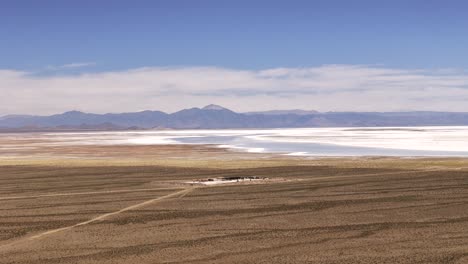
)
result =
(235, 34)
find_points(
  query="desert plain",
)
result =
(136, 204)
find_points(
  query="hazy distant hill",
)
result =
(285, 112)
(214, 116)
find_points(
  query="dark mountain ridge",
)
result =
(214, 116)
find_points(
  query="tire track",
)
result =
(81, 193)
(373, 174)
(178, 194)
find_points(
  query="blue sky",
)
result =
(238, 34)
(73, 39)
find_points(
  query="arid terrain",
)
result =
(132, 204)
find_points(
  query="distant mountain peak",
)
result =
(214, 107)
(73, 112)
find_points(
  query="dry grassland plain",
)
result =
(131, 204)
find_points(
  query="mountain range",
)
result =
(215, 116)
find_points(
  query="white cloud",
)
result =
(78, 65)
(325, 88)
(74, 65)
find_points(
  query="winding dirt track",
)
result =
(181, 193)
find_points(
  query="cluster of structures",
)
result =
(224, 180)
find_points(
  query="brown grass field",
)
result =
(130, 204)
